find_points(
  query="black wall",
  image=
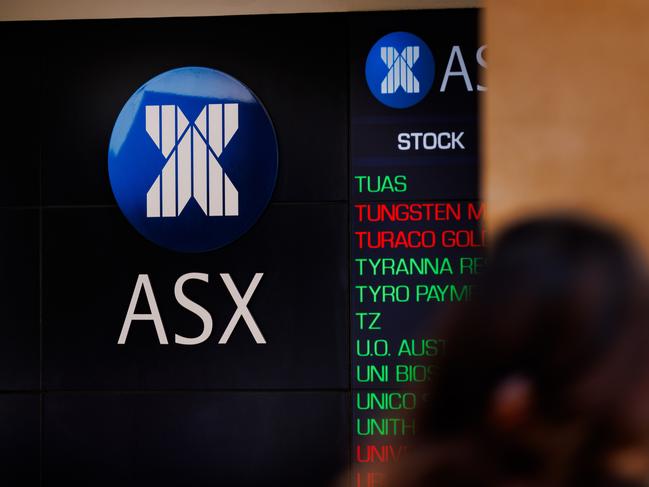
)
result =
(76, 408)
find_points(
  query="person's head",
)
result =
(545, 380)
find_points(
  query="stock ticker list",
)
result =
(416, 236)
(408, 258)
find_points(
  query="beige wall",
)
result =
(79, 9)
(567, 111)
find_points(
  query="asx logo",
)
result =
(192, 163)
(193, 159)
(191, 152)
(400, 70)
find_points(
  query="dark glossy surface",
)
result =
(22, 109)
(197, 439)
(19, 300)
(20, 439)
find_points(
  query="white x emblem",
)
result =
(192, 169)
(400, 73)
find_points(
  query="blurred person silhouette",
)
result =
(545, 380)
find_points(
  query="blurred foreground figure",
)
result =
(546, 377)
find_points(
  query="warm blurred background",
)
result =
(566, 120)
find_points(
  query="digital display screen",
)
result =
(227, 242)
(416, 239)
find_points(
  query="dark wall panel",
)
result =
(180, 439)
(19, 300)
(20, 439)
(22, 108)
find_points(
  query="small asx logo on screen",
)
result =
(400, 70)
(193, 159)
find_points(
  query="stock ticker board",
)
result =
(228, 242)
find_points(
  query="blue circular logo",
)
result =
(192, 159)
(400, 70)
